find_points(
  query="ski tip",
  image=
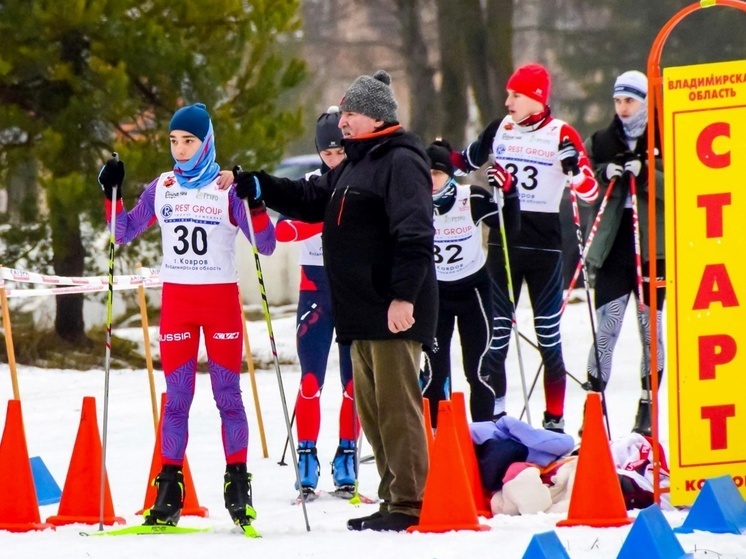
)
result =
(249, 531)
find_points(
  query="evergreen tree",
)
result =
(82, 78)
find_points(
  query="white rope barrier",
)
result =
(23, 276)
(143, 278)
(146, 277)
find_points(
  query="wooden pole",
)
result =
(148, 354)
(252, 376)
(9, 342)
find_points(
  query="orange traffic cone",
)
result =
(191, 503)
(448, 503)
(81, 496)
(596, 498)
(428, 426)
(19, 510)
(481, 501)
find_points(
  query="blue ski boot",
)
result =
(344, 466)
(308, 467)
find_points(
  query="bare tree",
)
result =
(499, 24)
(454, 104)
(423, 118)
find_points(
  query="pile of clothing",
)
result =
(528, 470)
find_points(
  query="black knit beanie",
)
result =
(328, 133)
(439, 153)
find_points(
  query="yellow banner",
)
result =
(704, 147)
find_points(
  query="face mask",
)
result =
(445, 194)
(634, 125)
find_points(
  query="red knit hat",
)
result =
(531, 80)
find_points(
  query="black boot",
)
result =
(356, 524)
(595, 384)
(554, 423)
(237, 493)
(642, 420)
(392, 522)
(169, 499)
(645, 408)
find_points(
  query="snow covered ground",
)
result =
(52, 402)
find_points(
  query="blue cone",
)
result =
(719, 508)
(545, 546)
(652, 537)
(47, 490)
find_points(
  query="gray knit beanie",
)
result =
(371, 96)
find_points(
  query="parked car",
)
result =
(297, 167)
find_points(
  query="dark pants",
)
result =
(471, 309)
(389, 402)
(542, 272)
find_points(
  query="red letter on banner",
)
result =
(714, 351)
(713, 204)
(718, 417)
(715, 286)
(704, 145)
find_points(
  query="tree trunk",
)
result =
(423, 97)
(454, 103)
(23, 191)
(500, 45)
(68, 260)
(476, 59)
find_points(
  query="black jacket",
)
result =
(378, 233)
(609, 145)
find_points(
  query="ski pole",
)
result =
(107, 358)
(270, 332)
(638, 250)
(579, 233)
(588, 242)
(287, 440)
(584, 385)
(504, 238)
(355, 499)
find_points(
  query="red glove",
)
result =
(498, 177)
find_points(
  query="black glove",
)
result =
(246, 184)
(111, 175)
(569, 157)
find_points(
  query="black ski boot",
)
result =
(554, 423)
(169, 499)
(642, 420)
(237, 493)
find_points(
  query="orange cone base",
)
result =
(597, 522)
(195, 511)
(440, 529)
(64, 520)
(26, 526)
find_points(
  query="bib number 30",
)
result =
(196, 242)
